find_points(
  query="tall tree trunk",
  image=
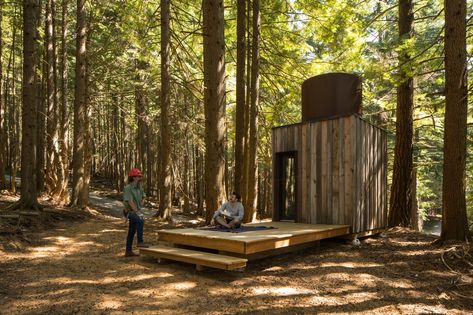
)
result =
(41, 118)
(200, 181)
(29, 198)
(454, 219)
(240, 94)
(124, 165)
(186, 179)
(252, 191)
(10, 103)
(142, 113)
(245, 168)
(165, 178)
(401, 195)
(214, 104)
(51, 137)
(79, 186)
(15, 129)
(417, 222)
(2, 108)
(61, 192)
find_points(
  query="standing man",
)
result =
(133, 197)
(230, 214)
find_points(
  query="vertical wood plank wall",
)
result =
(342, 172)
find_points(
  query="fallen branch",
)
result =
(462, 296)
(10, 216)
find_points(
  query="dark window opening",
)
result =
(287, 167)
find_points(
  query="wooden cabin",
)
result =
(332, 167)
(329, 181)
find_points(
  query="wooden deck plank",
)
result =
(195, 257)
(265, 245)
(201, 240)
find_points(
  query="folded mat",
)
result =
(241, 229)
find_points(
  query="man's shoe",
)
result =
(131, 254)
(143, 245)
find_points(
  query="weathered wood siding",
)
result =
(342, 176)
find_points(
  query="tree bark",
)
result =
(29, 198)
(186, 179)
(417, 222)
(252, 191)
(79, 186)
(12, 112)
(245, 168)
(454, 219)
(2, 108)
(165, 178)
(214, 104)
(61, 192)
(15, 126)
(401, 195)
(240, 94)
(52, 153)
(200, 181)
(41, 118)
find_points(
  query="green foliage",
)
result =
(299, 39)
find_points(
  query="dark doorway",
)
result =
(286, 166)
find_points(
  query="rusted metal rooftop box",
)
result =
(332, 167)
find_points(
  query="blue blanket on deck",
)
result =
(241, 229)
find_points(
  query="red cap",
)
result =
(135, 173)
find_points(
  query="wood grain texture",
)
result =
(195, 257)
(343, 172)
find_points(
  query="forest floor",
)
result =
(71, 262)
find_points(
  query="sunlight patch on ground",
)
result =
(60, 239)
(317, 300)
(63, 246)
(407, 243)
(186, 285)
(34, 302)
(275, 268)
(402, 285)
(108, 231)
(351, 265)
(221, 291)
(109, 280)
(414, 253)
(279, 291)
(174, 288)
(148, 293)
(65, 280)
(41, 252)
(362, 296)
(109, 302)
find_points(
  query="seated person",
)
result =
(230, 214)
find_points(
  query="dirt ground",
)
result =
(72, 263)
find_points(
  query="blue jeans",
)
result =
(136, 223)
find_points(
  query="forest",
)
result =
(189, 92)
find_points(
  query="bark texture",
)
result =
(454, 219)
(401, 194)
(214, 104)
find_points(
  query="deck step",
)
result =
(195, 257)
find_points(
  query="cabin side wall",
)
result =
(343, 173)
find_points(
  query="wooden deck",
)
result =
(284, 234)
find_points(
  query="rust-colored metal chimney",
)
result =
(331, 95)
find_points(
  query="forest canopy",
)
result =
(297, 39)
